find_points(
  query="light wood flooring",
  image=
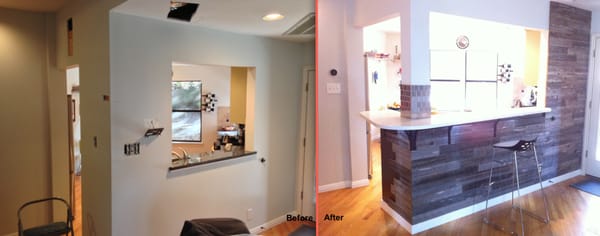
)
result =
(77, 207)
(572, 212)
(285, 228)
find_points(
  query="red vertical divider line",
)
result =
(316, 117)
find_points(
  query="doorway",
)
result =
(592, 154)
(74, 139)
(381, 44)
(306, 181)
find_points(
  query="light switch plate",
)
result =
(334, 88)
(250, 214)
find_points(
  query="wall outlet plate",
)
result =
(334, 88)
(249, 214)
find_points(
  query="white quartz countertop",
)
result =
(392, 120)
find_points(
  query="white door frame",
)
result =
(591, 127)
(370, 128)
(306, 178)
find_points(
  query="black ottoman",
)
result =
(214, 227)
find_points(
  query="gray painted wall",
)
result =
(333, 133)
(146, 199)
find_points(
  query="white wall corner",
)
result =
(334, 186)
(356, 96)
(397, 217)
(360, 183)
(261, 228)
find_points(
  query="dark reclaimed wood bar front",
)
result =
(437, 168)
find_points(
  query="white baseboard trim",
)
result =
(440, 220)
(261, 228)
(360, 183)
(343, 185)
(397, 217)
(334, 186)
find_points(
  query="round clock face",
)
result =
(462, 42)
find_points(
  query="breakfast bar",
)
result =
(438, 165)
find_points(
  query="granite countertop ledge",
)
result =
(217, 156)
(392, 120)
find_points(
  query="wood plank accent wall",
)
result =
(568, 59)
(440, 177)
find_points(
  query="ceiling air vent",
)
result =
(306, 26)
(182, 11)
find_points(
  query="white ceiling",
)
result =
(239, 16)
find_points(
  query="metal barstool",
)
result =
(517, 146)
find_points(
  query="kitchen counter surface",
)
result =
(207, 158)
(391, 120)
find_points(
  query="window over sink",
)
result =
(186, 115)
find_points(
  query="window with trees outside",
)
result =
(186, 111)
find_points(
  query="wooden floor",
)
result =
(285, 228)
(572, 212)
(77, 206)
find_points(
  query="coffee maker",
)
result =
(235, 137)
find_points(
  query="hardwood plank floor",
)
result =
(572, 212)
(77, 206)
(285, 228)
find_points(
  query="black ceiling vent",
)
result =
(182, 11)
(305, 26)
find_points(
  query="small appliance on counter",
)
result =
(528, 96)
(230, 136)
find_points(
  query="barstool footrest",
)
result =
(498, 227)
(535, 216)
(517, 147)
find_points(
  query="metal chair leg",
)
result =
(539, 172)
(546, 217)
(512, 192)
(489, 190)
(486, 218)
(490, 183)
(518, 146)
(519, 193)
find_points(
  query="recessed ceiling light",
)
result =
(273, 17)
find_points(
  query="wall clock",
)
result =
(462, 42)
